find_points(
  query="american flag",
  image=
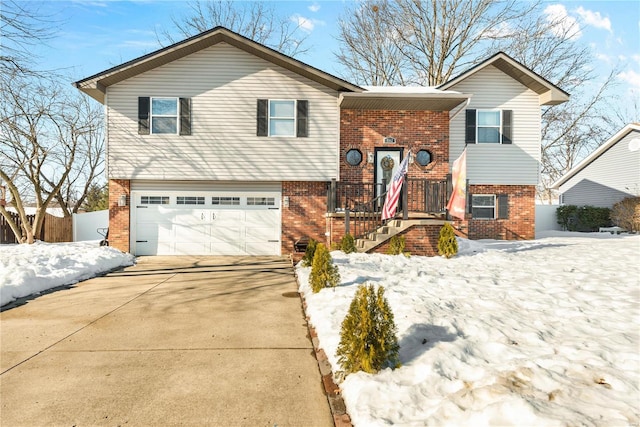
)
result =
(393, 194)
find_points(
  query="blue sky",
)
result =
(97, 34)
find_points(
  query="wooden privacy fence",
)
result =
(54, 229)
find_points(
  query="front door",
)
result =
(387, 163)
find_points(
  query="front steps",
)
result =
(372, 240)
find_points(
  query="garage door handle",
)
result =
(142, 241)
(140, 207)
(274, 209)
(273, 241)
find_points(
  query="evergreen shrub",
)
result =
(323, 272)
(396, 245)
(583, 218)
(368, 340)
(447, 243)
(307, 259)
(348, 244)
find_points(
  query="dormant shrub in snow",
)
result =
(348, 244)
(307, 259)
(447, 244)
(323, 272)
(368, 340)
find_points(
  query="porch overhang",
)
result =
(440, 101)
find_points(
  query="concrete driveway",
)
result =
(170, 341)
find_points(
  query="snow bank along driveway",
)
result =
(29, 269)
(541, 332)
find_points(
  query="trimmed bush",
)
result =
(368, 340)
(307, 259)
(396, 245)
(323, 272)
(447, 243)
(583, 218)
(348, 244)
(626, 213)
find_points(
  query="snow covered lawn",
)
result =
(29, 269)
(542, 332)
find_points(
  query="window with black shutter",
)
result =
(143, 115)
(503, 206)
(488, 126)
(160, 115)
(282, 117)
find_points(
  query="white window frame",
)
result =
(499, 126)
(494, 207)
(294, 118)
(176, 116)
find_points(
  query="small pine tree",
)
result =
(97, 198)
(368, 340)
(447, 243)
(396, 245)
(307, 259)
(348, 244)
(323, 272)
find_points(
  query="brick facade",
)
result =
(414, 130)
(306, 214)
(521, 223)
(119, 215)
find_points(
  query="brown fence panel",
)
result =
(56, 229)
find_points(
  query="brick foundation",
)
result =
(521, 223)
(306, 214)
(119, 216)
(419, 240)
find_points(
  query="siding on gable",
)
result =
(223, 83)
(611, 177)
(516, 163)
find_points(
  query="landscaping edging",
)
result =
(331, 389)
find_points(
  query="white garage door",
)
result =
(206, 223)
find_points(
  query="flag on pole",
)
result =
(457, 202)
(393, 193)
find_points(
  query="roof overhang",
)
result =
(550, 94)
(96, 85)
(401, 101)
(597, 153)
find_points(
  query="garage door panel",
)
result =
(240, 228)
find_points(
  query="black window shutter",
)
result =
(302, 117)
(143, 115)
(185, 116)
(262, 127)
(507, 126)
(503, 206)
(470, 126)
(469, 203)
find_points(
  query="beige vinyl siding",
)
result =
(224, 84)
(516, 163)
(611, 177)
(195, 186)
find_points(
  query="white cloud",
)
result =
(631, 77)
(314, 7)
(594, 19)
(563, 24)
(306, 24)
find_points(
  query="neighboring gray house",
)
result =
(606, 176)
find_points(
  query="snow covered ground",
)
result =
(542, 332)
(29, 269)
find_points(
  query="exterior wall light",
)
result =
(122, 200)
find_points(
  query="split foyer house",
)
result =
(606, 176)
(220, 145)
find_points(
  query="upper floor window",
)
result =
(282, 117)
(488, 126)
(164, 115)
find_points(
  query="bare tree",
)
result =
(421, 42)
(255, 20)
(43, 131)
(21, 29)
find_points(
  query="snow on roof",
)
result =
(406, 89)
